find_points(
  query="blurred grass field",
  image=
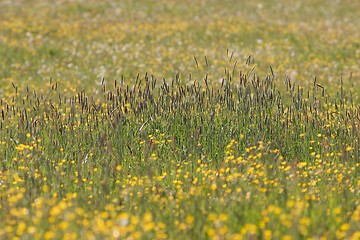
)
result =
(179, 119)
(80, 42)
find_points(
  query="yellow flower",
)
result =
(267, 234)
(344, 227)
(189, 219)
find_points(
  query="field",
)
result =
(179, 119)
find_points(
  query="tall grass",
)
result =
(164, 159)
(204, 146)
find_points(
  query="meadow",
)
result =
(179, 119)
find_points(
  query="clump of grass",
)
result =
(180, 159)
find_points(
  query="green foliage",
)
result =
(208, 144)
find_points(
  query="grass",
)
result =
(150, 120)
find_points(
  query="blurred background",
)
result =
(77, 43)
